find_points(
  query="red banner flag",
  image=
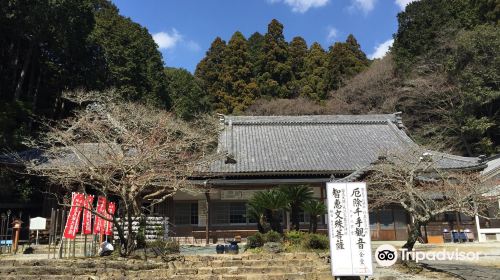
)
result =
(73, 220)
(87, 215)
(109, 215)
(101, 210)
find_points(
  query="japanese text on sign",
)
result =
(349, 229)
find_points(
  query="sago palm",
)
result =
(315, 208)
(296, 195)
(272, 202)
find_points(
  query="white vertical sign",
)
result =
(349, 229)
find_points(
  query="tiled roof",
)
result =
(493, 167)
(314, 144)
(279, 145)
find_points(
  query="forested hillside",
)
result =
(443, 73)
(48, 47)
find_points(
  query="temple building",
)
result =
(263, 152)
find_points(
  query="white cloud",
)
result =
(332, 34)
(167, 40)
(172, 39)
(301, 6)
(381, 49)
(402, 3)
(363, 5)
(193, 46)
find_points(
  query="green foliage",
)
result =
(273, 61)
(239, 73)
(14, 123)
(314, 83)
(45, 48)
(187, 97)
(255, 43)
(344, 61)
(17, 187)
(270, 203)
(315, 242)
(255, 241)
(134, 63)
(297, 196)
(457, 39)
(272, 236)
(424, 25)
(294, 236)
(476, 69)
(316, 209)
(52, 46)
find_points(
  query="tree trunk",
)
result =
(128, 242)
(413, 236)
(35, 100)
(295, 209)
(275, 221)
(260, 226)
(20, 81)
(313, 225)
(15, 63)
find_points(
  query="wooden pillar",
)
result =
(207, 224)
(322, 198)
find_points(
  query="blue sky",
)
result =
(184, 29)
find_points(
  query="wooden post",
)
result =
(16, 239)
(457, 217)
(207, 224)
(53, 228)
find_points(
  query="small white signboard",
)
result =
(38, 223)
(349, 229)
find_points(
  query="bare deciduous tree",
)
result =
(416, 181)
(129, 152)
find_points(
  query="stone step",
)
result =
(270, 276)
(43, 277)
(245, 266)
(269, 269)
(246, 263)
(140, 265)
(235, 270)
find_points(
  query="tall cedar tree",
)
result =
(52, 46)
(297, 51)
(255, 43)
(238, 89)
(275, 70)
(134, 62)
(344, 62)
(210, 69)
(45, 49)
(278, 69)
(315, 86)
